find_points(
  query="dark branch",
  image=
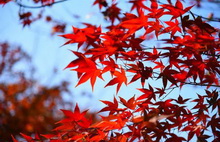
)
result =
(212, 19)
(165, 48)
(191, 83)
(40, 6)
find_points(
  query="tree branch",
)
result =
(40, 6)
(191, 83)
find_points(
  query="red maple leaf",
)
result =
(138, 5)
(176, 10)
(131, 103)
(86, 69)
(72, 118)
(173, 27)
(120, 78)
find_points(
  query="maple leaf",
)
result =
(210, 79)
(135, 44)
(213, 98)
(212, 123)
(159, 65)
(180, 100)
(185, 22)
(26, 18)
(155, 26)
(76, 115)
(103, 51)
(112, 12)
(138, 5)
(167, 74)
(101, 3)
(86, 69)
(204, 26)
(112, 121)
(148, 94)
(73, 118)
(173, 27)
(100, 135)
(120, 78)
(154, 11)
(110, 66)
(59, 28)
(111, 106)
(154, 5)
(131, 103)
(152, 55)
(181, 77)
(90, 34)
(129, 16)
(134, 24)
(203, 137)
(160, 91)
(141, 71)
(76, 37)
(176, 10)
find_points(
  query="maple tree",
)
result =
(187, 54)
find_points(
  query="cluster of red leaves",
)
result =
(140, 119)
(189, 56)
(58, 27)
(193, 58)
(3, 2)
(27, 17)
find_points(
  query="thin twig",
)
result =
(168, 93)
(41, 6)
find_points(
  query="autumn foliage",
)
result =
(187, 54)
(26, 106)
